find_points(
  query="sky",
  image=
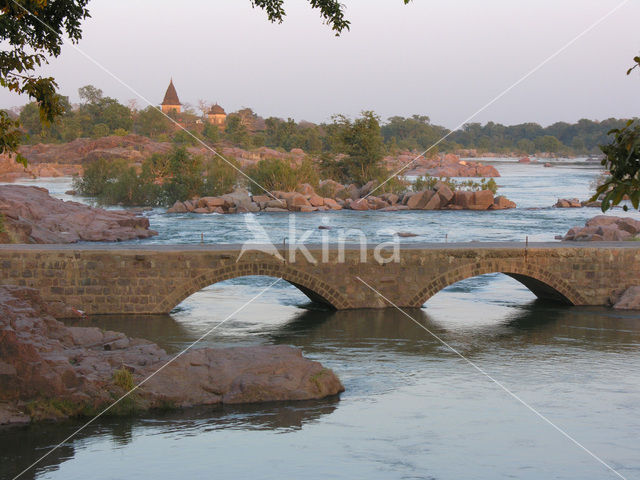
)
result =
(446, 59)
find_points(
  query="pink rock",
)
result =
(481, 200)
(43, 359)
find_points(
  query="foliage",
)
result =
(277, 174)
(428, 183)
(362, 142)
(236, 131)
(622, 159)
(31, 31)
(97, 175)
(221, 177)
(151, 122)
(123, 378)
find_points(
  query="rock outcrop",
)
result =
(31, 215)
(603, 228)
(52, 371)
(444, 165)
(10, 170)
(305, 199)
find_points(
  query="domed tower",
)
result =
(216, 115)
(171, 100)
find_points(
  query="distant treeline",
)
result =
(98, 116)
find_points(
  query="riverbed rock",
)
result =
(481, 200)
(501, 203)
(568, 203)
(33, 216)
(604, 228)
(49, 370)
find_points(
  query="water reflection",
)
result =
(20, 447)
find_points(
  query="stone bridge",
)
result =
(101, 279)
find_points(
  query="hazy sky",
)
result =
(441, 58)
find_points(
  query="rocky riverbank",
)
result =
(57, 159)
(604, 228)
(51, 371)
(337, 197)
(31, 215)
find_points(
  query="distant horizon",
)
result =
(430, 57)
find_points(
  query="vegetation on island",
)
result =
(35, 30)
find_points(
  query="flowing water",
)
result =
(412, 407)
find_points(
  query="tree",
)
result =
(622, 159)
(31, 31)
(151, 122)
(361, 140)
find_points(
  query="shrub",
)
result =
(276, 174)
(120, 132)
(428, 183)
(221, 177)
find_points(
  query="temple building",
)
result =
(216, 115)
(171, 100)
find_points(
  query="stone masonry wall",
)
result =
(149, 279)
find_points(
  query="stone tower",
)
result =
(171, 100)
(216, 115)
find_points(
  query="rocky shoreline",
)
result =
(604, 228)
(51, 371)
(337, 197)
(31, 215)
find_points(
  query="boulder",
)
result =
(33, 216)
(434, 203)
(463, 199)
(524, 160)
(177, 207)
(600, 220)
(211, 202)
(261, 198)
(481, 200)
(568, 203)
(501, 202)
(418, 200)
(296, 201)
(630, 299)
(629, 225)
(332, 204)
(305, 189)
(367, 187)
(360, 204)
(316, 200)
(45, 363)
(445, 193)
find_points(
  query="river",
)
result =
(412, 408)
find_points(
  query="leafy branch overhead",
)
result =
(622, 159)
(31, 31)
(331, 11)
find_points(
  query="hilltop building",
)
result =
(216, 114)
(171, 100)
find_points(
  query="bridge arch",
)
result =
(541, 283)
(314, 288)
